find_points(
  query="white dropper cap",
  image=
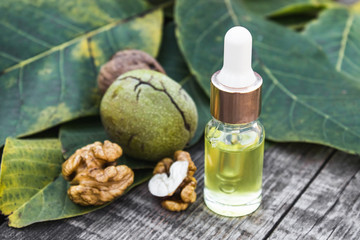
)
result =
(236, 71)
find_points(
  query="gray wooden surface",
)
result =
(309, 192)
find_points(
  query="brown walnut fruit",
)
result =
(174, 181)
(122, 62)
(94, 177)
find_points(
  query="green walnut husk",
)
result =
(148, 114)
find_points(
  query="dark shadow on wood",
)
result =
(2, 219)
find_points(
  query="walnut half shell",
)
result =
(122, 62)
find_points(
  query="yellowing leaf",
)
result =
(51, 52)
(23, 166)
(32, 188)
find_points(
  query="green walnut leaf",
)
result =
(79, 133)
(31, 186)
(304, 98)
(284, 7)
(51, 51)
(175, 66)
(25, 160)
(337, 32)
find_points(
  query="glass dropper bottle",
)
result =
(234, 138)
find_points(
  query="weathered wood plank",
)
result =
(330, 207)
(288, 169)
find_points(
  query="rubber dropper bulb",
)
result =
(237, 71)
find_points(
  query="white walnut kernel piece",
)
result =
(174, 181)
(162, 185)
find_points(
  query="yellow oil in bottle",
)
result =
(233, 174)
(234, 137)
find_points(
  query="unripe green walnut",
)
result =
(148, 114)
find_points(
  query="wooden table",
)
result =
(309, 192)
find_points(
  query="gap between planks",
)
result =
(300, 194)
(330, 206)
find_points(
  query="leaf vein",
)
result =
(65, 200)
(351, 63)
(31, 161)
(210, 28)
(16, 188)
(324, 128)
(61, 75)
(231, 12)
(291, 115)
(26, 35)
(317, 111)
(42, 205)
(21, 100)
(185, 80)
(268, 92)
(344, 40)
(22, 174)
(9, 56)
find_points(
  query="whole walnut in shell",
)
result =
(148, 114)
(94, 177)
(122, 62)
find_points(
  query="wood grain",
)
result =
(330, 207)
(288, 170)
